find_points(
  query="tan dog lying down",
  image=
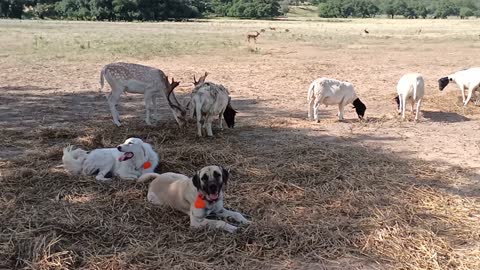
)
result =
(198, 197)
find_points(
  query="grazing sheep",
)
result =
(208, 101)
(410, 87)
(331, 92)
(138, 79)
(465, 79)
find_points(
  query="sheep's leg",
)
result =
(310, 108)
(220, 121)
(403, 101)
(340, 111)
(315, 108)
(470, 93)
(208, 125)
(198, 112)
(418, 109)
(112, 100)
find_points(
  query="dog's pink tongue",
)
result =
(213, 196)
(125, 156)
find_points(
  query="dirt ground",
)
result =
(45, 106)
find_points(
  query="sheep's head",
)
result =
(443, 82)
(178, 111)
(360, 108)
(397, 100)
(229, 115)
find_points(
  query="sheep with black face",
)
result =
(210, 100)
(333, 92)
(467, 79)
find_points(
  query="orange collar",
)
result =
(147, 165)
(200, 202)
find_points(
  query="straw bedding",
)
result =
(313, 204)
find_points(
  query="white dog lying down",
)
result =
(198, 197)
(128, 161)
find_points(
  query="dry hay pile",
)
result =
(311, 203)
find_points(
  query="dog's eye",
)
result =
(130, 143)
(216, 174)
(204, 178)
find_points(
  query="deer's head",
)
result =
(179, 112)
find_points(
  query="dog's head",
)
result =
(360, 108)
(443, 82)
(209, 181)
(132, 148)
(229, 115)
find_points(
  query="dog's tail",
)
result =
(73, 159)
(102, 75)
(147, 177)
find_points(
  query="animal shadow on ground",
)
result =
(313, 202)
(449, 117)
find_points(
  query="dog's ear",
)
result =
(225, 175)
(196, 181)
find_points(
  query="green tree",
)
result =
(466, 12)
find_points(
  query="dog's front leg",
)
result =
(235, 215)
(217, 224)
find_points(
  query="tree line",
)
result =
(156, 10)
(142, 10)
(411, 9)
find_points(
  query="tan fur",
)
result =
(179, 192)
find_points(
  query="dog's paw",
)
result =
(230, 228)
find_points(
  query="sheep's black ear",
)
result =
(196, 181)
(225, 175)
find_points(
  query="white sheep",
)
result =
(411, 87)
(332, 92)
(210, 100)
(465, 79)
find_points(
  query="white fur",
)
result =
(133, 78)
(208, 101)
(411, 87)
(329, 92)
(468, 79)
(106, 160)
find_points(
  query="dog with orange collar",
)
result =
(200, 196)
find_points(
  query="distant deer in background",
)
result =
(253, 35)
(273, 28)
(262, 30)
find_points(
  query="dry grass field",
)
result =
(375, 194)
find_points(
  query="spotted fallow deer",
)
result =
(139, 79)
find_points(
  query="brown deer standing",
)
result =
(253, 35)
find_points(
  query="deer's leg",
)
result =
(113, 99)
(148, 101)
(220, 120)
(156, 115)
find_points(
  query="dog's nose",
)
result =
(119, 148)
(212, 188)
